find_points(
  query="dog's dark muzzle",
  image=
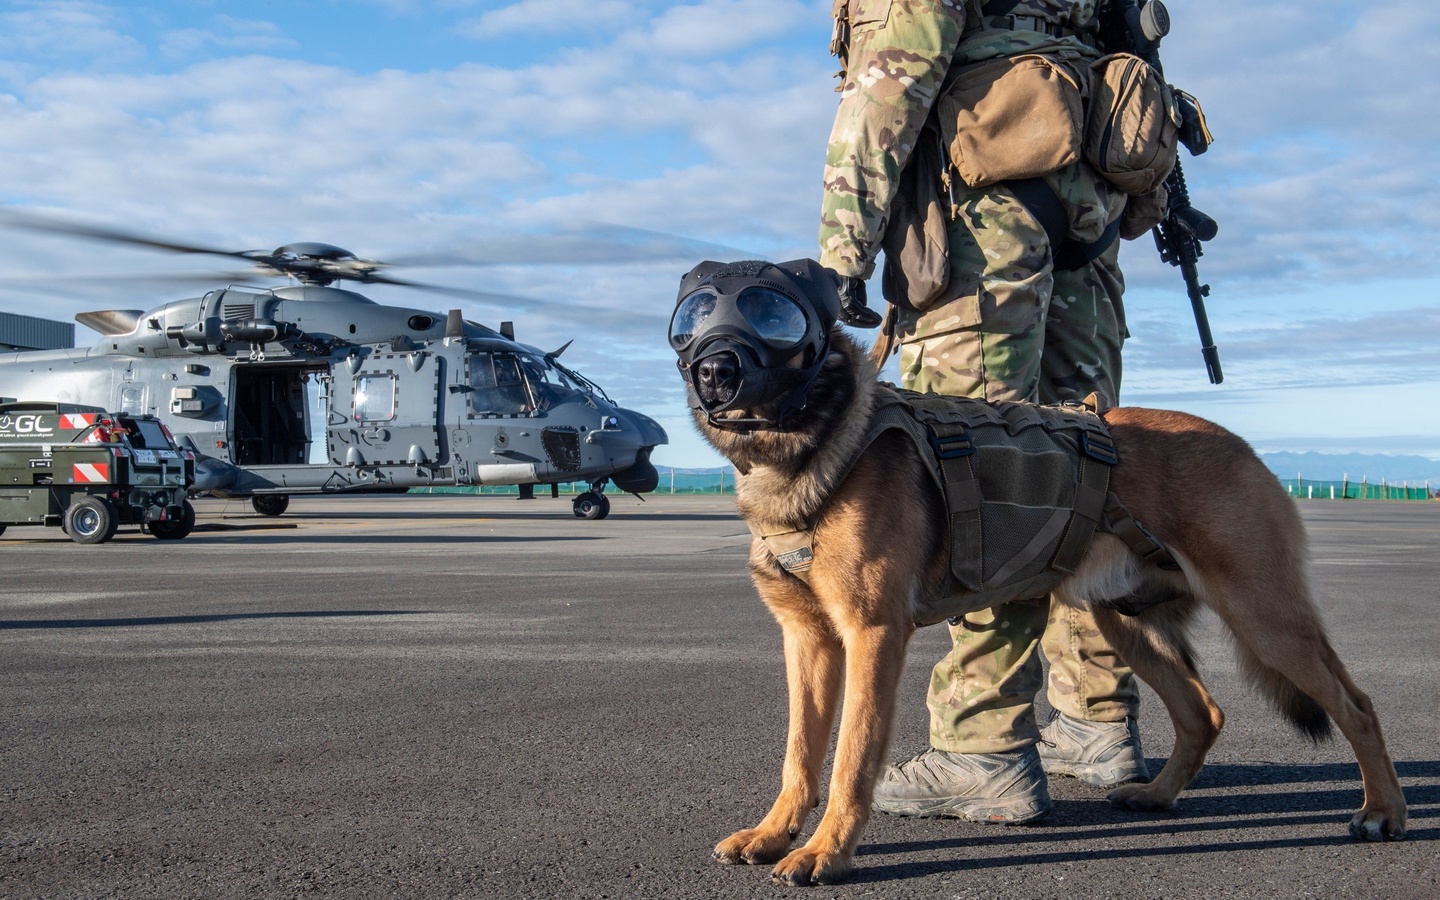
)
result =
(717, 380)
(725, 377)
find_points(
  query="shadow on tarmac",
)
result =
(18, 624)
(1072, 819)
(522, 515)
(1016, 855)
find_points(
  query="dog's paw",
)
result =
(752, 846)
(807, 866)
(1377, 825)
(1141, 798)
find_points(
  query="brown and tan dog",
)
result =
(880, 541)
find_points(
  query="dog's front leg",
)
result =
(874, 659)
(813, 660)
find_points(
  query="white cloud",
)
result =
(550, 17)
(225, 33)
(68, 30)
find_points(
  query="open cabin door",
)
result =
(385, 410)
(271, 408)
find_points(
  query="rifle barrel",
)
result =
(1197, 292)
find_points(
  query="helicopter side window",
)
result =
(132, 399)
(498, 386)
(375, 398)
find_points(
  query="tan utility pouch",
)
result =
(1016, 117)
(1143, 212)
(1132, 135)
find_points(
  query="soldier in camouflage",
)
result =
(1009, 325)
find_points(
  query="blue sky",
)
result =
(515, 131)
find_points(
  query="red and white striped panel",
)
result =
(92, 473)
(77, 420)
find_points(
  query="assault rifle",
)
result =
(1128, 27)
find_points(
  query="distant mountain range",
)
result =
(1312, 466)
(1371, 467)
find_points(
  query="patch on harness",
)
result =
(795, 560)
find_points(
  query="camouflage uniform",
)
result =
(1009, 327)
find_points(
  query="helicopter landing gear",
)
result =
(270, 504)
(592, 505)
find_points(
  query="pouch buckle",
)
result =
(952, 446)
(1098, 448)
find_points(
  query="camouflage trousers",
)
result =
(1020, 331)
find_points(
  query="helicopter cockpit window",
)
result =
(497, 386)
(375, 398)
(548, 384)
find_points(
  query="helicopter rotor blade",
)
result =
(198, 279)
(491, 298)
(28, 221)
(599, 244)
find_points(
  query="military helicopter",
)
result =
(311, 388)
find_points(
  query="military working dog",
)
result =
(880, 549)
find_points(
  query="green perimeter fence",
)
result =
(1356, 490)
(670, 483)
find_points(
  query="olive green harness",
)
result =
(1025, 486)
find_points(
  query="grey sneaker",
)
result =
(1008, 788)
(1101, 754)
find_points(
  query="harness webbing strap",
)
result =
(955, 452)
(1065, 253)
(1127, 528)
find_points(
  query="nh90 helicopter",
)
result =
(312, 388)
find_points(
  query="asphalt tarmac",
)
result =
(484, 697)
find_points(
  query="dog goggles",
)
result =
(774, 318)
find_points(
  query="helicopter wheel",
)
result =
(91, 520)
(591, 505)
(270, 504)
(175, 529)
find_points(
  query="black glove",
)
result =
(853, 311)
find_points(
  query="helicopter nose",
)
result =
(719, 377)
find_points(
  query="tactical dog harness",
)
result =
(1026, 487)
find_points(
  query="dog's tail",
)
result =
(1292, 703)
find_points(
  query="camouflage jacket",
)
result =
(894, 56)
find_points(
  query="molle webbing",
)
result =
(1025, 489)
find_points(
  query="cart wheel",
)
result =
(91, 520)
(590, 505)
(175, 529)
(270, 504)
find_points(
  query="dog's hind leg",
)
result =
(1284, 651)
(1154, 645)
(813, 666)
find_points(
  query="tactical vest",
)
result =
(1025, 487)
